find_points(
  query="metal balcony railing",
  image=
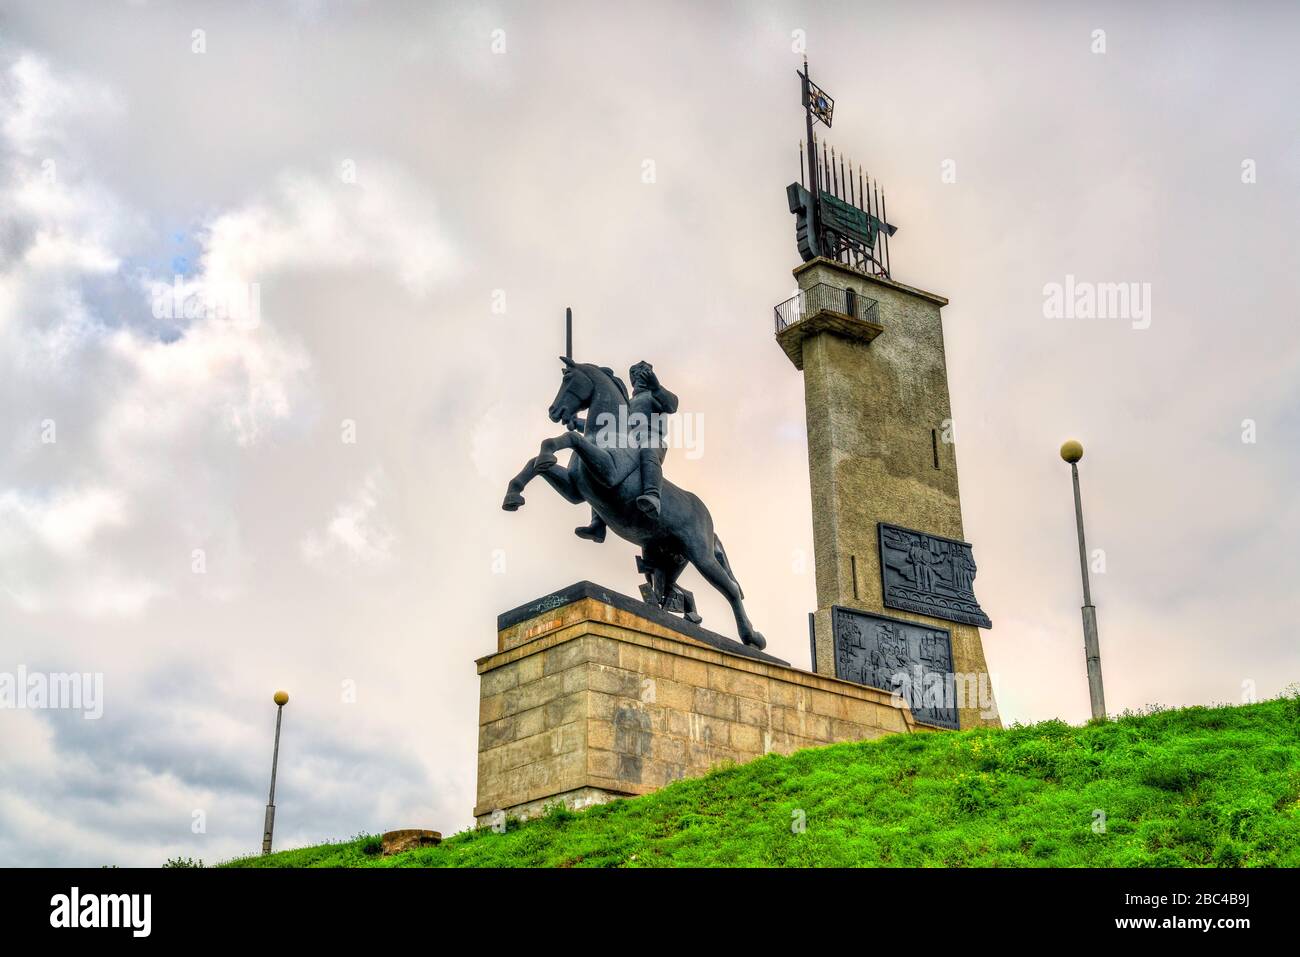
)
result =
(825, 298)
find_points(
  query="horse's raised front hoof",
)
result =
(512, 502)
(755, 640)
(545, 462)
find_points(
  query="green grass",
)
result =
(1191, 787)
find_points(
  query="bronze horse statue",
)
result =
(603, 473)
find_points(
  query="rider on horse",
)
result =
(649, 404)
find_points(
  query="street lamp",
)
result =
(281, 699)
(1072, 451)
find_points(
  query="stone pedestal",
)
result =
(592, 695)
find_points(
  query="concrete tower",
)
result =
(895, 577)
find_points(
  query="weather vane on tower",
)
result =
(837, 218)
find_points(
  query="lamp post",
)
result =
(1072, 452)
(281, 699)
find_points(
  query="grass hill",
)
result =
(1190, 787)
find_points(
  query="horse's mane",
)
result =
(617, 381)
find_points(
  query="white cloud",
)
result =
(160, 410)
(50, 562)
(80, 349)
(308, 222)
(356, 535)
(40, 106)
(64, 523)
(218, 372)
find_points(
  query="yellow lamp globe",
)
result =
(282, 698)
(1072, 451)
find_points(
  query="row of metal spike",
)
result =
(868, 196)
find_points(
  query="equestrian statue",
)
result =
(617, 468)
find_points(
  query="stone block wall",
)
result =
(598, 702)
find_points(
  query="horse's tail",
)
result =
(720, 554)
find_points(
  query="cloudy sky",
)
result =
(204, 509)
